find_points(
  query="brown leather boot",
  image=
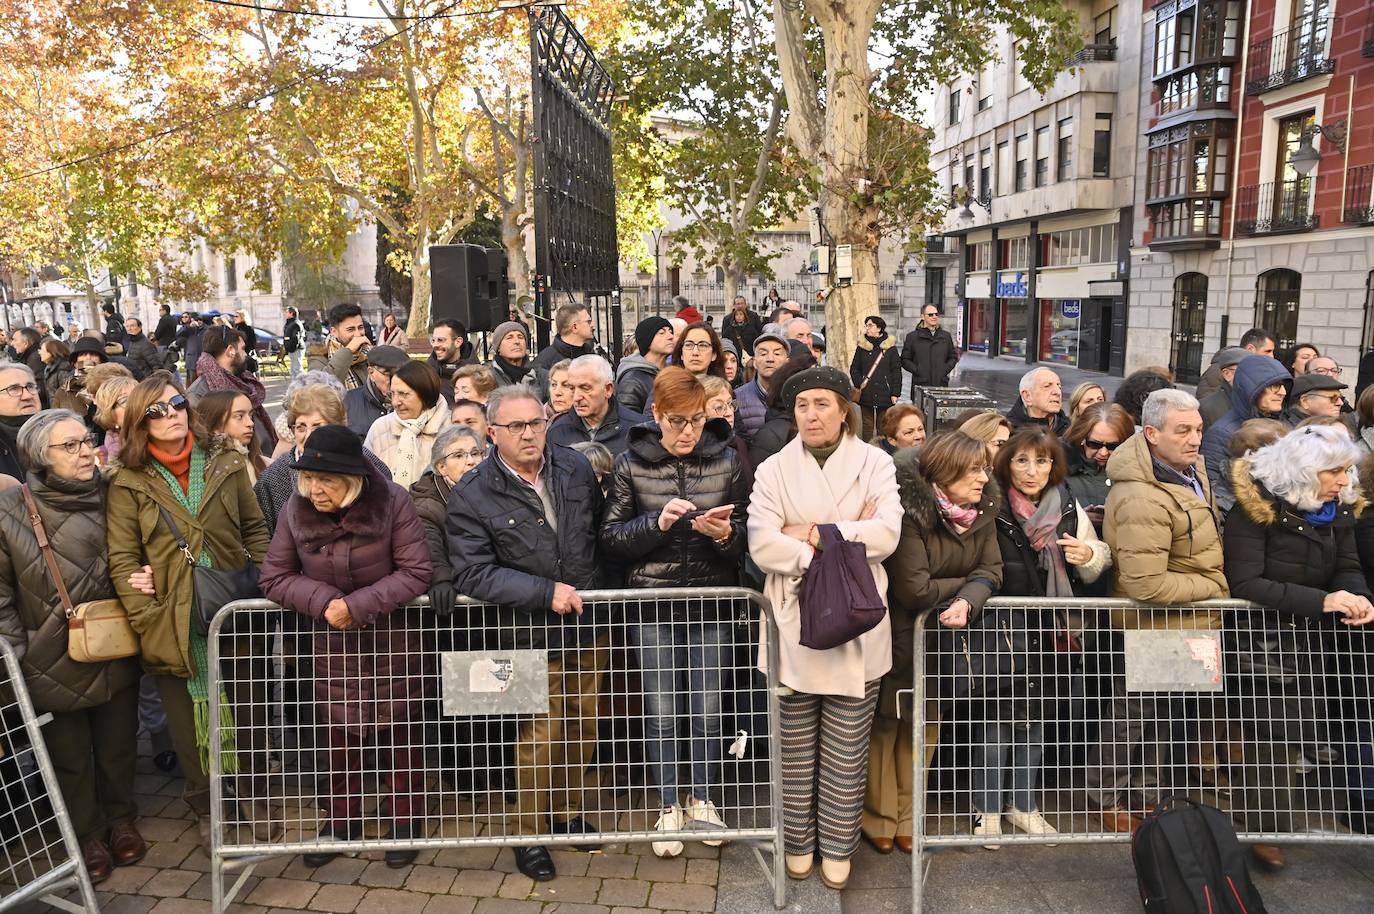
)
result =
(1269, 856)
(127, 845)
(99, 863)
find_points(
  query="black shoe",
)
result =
(535, 863)
(165, 762)
(347, 832)
(402, 831)
(577, 826)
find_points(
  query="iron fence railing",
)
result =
(1277, 206)
(1299, 52)
(1359, 195)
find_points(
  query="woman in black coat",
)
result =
(1291, 547)
(876, 371)
(675, 516)
(1088, 444)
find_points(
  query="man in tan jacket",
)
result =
(1161, 524)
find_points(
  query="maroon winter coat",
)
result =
(374, 555)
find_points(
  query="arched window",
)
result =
(1190, 325)
(1276, 305)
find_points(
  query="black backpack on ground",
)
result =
(1188, 861)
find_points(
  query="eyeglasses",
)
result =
(1025, 460)
(73, 447)
(305, 428)
(164, 408)
(678, 423)
(518, 429)
(474, 454)
(1094, 445)
(19, 391)
(1329, 372)
(697, 346)
(1330, 398)
(979, 471)
(721, 410)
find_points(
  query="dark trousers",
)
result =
(398, 754)
(94, 752)
(1134, 746)
(872, 417)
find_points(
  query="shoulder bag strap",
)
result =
(176, 535)
(42, 536)
(872, 368)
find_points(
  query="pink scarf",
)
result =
(960, 517)
(216, 378)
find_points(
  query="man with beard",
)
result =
(221, 367)
(446, 343)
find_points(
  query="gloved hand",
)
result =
(441, 597)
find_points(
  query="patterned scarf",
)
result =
(198, 684)
(216, 378)
(409, 463)
(1041, 524)
(959, 517)
(350, 379)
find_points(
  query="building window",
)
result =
(954, 99)
(985, 86)
(1022, 162)
(267, 278)
(985, 173)
(935, 287)
(1219, 29)
(969, 167)
(1075, 247)
(231, 276)
(1104, 29)
(1015, 254)
(1065, 151)
(980, 257)
(1003, 168)
(1276, 305)
(1042, 156)
(1193, 160)
(1102, 146)
(1174, 42)
(1190, 325)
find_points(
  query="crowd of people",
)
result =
(705, 459)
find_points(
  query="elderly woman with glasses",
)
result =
(1092, 438)
(1293, 548)
(93, 735)
(169, 470)
(675, 517)
(19, 400)
(720, 404)
(457, 449)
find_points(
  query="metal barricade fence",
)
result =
(1051, 721)
(40, 855)
(485, 727)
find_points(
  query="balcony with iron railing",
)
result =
(1301, 51)
(1368, 46)
(1359, 195)
(1275, 208)
(1091, 53)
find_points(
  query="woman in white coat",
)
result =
(404, 438)
(825, 475)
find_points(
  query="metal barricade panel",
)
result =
(1065, 721)
(484, 727)
(40, 855)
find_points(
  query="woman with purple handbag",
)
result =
(823, 497)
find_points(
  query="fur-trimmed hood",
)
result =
(918, 496)
(1264, 508)
(367, 515)
(884, 342)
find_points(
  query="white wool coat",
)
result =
(792, 488)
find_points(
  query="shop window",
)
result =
(1014, 326)
(1059, 330)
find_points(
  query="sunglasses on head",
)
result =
(164, 408)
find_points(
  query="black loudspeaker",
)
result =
(468, 285)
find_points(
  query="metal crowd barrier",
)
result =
(1053, 704)
(40, 855)
(444, 711)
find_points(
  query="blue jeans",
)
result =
(682, 666)
(1006, 760)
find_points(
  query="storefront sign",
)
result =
(1015, 287)
(1070, 308)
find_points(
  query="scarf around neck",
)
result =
(1041, 524)
(216, 378)
(410, 461)
(513, 371)
(959, 516)
(1322, 516)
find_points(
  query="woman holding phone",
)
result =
(675, 517)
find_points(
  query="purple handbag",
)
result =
(838, 599)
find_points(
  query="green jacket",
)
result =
(230, 526)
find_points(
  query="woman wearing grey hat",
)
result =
(510, 343)
(825, 475)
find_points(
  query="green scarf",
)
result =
(198, 683)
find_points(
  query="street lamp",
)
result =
(1306, 156)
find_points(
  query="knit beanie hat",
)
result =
(647, 329)
(499, 334)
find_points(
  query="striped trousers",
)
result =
(824, 770)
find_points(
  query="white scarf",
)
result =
(410, 462)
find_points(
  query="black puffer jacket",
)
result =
(773, 435)
(645, 479)
(31, 615)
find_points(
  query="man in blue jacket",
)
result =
(522, 534)
(595, 416)
(1258, 391)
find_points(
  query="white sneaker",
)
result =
(671, 820)
(704, 812)
(988, 825)
(1032, 823)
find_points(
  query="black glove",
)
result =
(441, 597)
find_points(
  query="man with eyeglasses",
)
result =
(1314, 395)
(928, 353)
(446, 343)
(18, 403)
(595, 416)
(576, 336)
(522, 534)
(368, 403)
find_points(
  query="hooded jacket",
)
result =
(886, 382)
(634, 383)
(1165, 540)
(1253, 375)
(645, 479)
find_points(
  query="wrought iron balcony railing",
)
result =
(1301, 51)
(1275, 207)
(1359, 195)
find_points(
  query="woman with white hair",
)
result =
(1291, 548)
